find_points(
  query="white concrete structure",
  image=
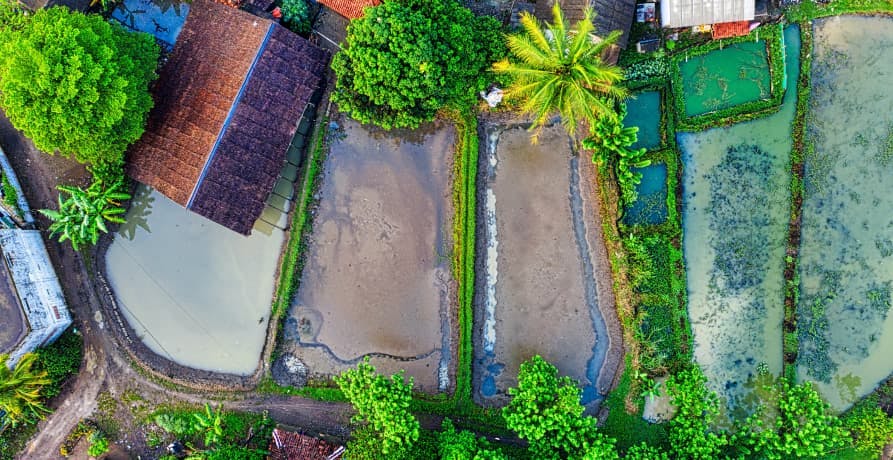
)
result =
(688, 13)
(36, 287)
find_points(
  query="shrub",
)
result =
(77, 84)
(99, 444)
(296, 15)
(406, 59)
(60, 360)
(871, 428)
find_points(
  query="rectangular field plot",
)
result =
(726, 77)
(377, 278)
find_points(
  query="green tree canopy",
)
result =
(546, 411)
(406, 59)
(382, 404)
(464, 445)
(871, 428)
(696, 410)
(77, 84)
(558, 69)
(20, 389)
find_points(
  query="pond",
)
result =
(845, 330)
(643, 111)
(538, 291)
(736, 203)
(195, 292)
(161, 18)
(726, 77)
(377, 280)
(650, 207)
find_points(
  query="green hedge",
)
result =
(772, 34)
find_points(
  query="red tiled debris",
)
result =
(731, 29)
(350, 9)
(287, 445)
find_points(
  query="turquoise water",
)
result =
(650, 207)
(644, 111)
(846, 333)
(726, 77)
(736, 203)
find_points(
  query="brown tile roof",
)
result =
(351, 9)
(287, 445)
(227, 104)
(610, 15)
(731, 29)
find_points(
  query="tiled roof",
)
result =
(227, 104)
(610, 15)
(351, 9)
(731, 29)
(287, 445)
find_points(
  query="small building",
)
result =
(731, 29)
(288, 445)
(33, 312)
(690, 13)
(227, 105)
(350, 9)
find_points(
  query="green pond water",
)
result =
(644, 111)
(650, 207)
(726, 77)
(846, 334)
(736, 195)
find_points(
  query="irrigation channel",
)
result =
(845, 331)
(537, 288)
(377, 279)
(736, 202)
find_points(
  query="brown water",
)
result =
(846, 333)
(194, 291)
(377, 278)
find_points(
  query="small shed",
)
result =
(288, 445)
(36, 287)
(689, 13)
(227, 105)
(350, 9)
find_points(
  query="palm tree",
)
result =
(560, 70)
(82, 216)
(20, 389)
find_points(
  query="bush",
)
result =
(99, 444)
(60, 360)
(77, 84)
(296, 15)
(406, 59)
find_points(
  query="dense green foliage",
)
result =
(82, 216)
(557, 68)
(99, 444)
(546, 412)
(630, 429)
(612, 143)
(10, 195)
(464, 445)
(20, 390)
(696, 410)
(60, 360)
(382, 405)
(406, 59)
(296, 15)
(870, 427)
(217, 434)
(807, 10)
(77, 84)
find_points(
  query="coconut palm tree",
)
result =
(559, 69)
(20, 389)
(82, 216)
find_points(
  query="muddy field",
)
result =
(377, 277)
(536, 290)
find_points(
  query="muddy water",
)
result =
(726, 77)
(846, 334)
(194, 292)
(377, 280)
(541, 295)
(735, 218)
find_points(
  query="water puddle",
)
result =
(193, 291)
(846, 333)
(540, 291)
(377, 278)
(726, 77)
(736, 195)
(644, 111)
(650, 207)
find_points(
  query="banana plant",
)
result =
(82, 217)
(611, 142)
(210, 423)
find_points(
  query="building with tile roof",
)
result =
(288, 445)
(350, 9)
(227, 105)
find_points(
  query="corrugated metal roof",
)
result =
(687, 13)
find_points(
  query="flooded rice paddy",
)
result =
(538, 291)
(194, 292)
(643, 111)
(377, 278)
(726, 77)
(736, 201)
(846, 333)
(650, 207)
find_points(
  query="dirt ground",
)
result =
(544, 293)
(377, 279)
